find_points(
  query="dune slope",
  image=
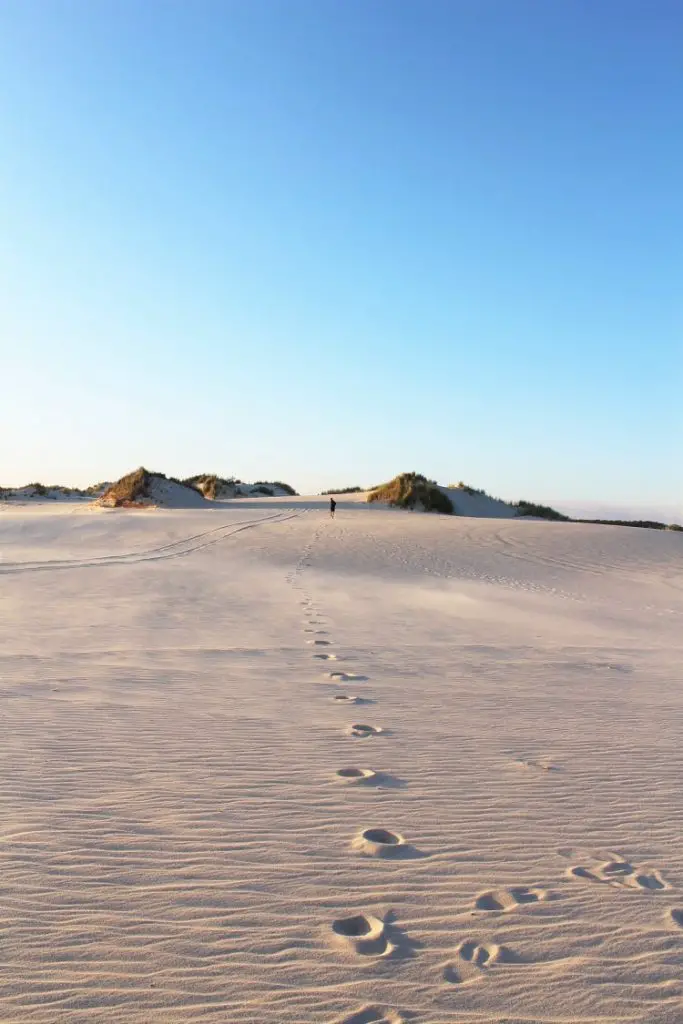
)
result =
(259, 765)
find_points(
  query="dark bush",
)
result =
(530, 508)
(276, 483)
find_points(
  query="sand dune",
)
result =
(194, 827)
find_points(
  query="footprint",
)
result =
(472, 957)
(372, 1015)
(363, 731)
(346, 677)
(649, 881)
(615, 869)
(675, 916)
(346, 698)
(509, 899)
(579, 872)
(482, 954)
(619, 872)
(365, 934)
(379, 842)
(319, 643)
(326, 657)
(356, 775)
(453, 976)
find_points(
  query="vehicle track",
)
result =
(175, 549)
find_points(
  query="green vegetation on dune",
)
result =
(213, 486)
(52, 491)
(407, 490)
(412, 490)
(130, 488)
(208, 484)
(135, 487)
(343, 490)
(530, 508)
(269, 484)
(462, 486)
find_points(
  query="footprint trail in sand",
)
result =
(193, 828)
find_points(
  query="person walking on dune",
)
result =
(333, 505)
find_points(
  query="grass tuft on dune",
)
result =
(412, 490)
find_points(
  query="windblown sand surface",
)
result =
(193, 827)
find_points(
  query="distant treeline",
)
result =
(646, 524)
(529, 508)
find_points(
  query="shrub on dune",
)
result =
(412, 490)
(342, 490)
(277, 483)
(97, 489)
(144, 488)
(462, 486)
(213, 487)
(529, 508)
(206, 483)
(130, 488)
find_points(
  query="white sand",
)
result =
(478, 504)
(175, 843)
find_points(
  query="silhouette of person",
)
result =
(333, 505)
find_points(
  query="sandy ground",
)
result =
(176, 844)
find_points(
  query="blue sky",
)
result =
(329, 240)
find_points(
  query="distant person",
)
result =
(333, 505)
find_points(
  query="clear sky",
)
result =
(330, 240)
